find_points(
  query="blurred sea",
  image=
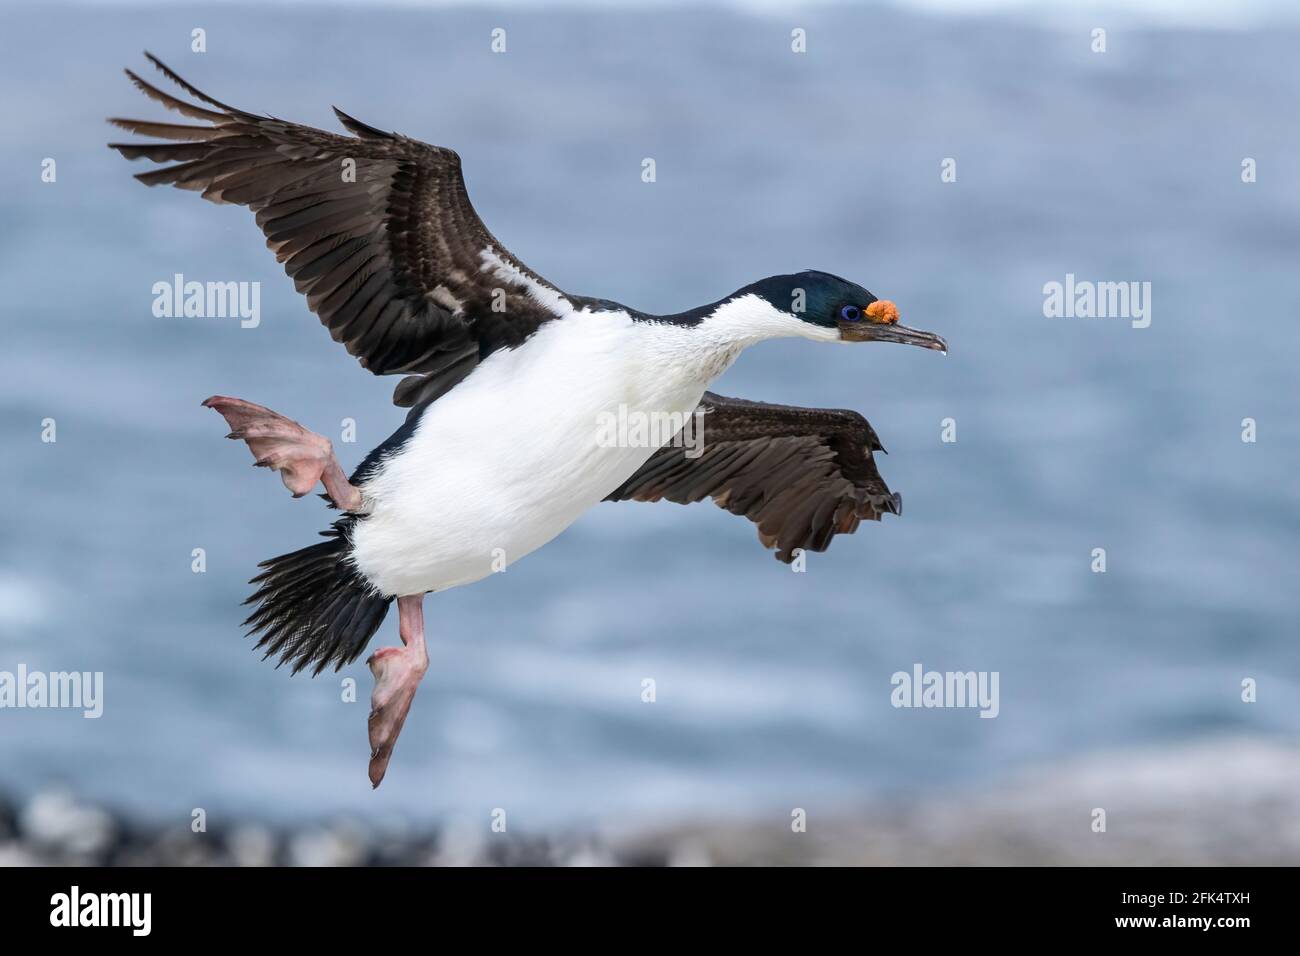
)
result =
(772, 687)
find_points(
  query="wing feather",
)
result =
(375, 229)
(802, 475)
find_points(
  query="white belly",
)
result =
(513, 455)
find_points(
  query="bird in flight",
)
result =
(507, 379)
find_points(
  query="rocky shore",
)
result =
(1220, 803)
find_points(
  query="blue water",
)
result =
(772, 687)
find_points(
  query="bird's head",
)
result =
(828, 308)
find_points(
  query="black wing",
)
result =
(376, 230)
(803, 475)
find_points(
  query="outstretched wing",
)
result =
(803, 475)
(375, 229)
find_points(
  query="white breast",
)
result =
(510, 457)
(513, 455)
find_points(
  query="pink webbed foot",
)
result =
(300, 456)
(397, 671)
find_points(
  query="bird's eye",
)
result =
(850, 313)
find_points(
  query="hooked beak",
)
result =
(880, 324)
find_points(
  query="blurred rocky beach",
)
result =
(1227, 802)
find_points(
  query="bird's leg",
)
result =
(397, 673)
(301, 457)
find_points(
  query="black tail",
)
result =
(313, 606)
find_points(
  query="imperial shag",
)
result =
(506, 377)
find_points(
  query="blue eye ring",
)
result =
(850, 313)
